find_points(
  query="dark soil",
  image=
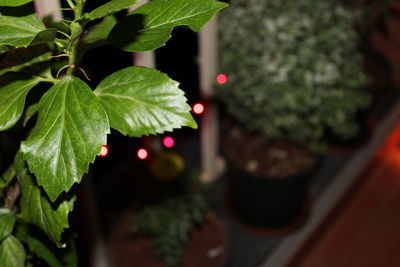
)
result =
(206, 246)
(277, 158)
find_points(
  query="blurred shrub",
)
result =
(293, 67)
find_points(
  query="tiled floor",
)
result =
(364, 229)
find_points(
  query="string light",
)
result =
(222, 78)
(142, 153)
(104, 151)
(168, 141)
(198, 108)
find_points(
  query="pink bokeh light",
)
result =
(168, 141)
(198, 108)
(104, 151)
(222, 78)
(142, 153)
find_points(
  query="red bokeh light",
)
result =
(222, 78)
(198, 108)
(168, 141)
(104, 151)
(142, 153)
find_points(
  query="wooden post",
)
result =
(48, 7)
(209, 120)
(144, 59)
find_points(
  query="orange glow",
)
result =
(389, 151)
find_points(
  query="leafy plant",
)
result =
(293, 67)
(73, 120)
(168, 224)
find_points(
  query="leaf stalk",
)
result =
(71, 4)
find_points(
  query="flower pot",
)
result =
(206, 247)
(267, 201)
(267, 182)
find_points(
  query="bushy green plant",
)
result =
(180, 206)
(73, 120)
(293, 68)
(169, 223)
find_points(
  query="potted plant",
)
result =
(294, 77)
(173, 227)
(68, 125)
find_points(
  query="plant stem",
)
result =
(49, 80)
(80, 4)
(73, 59)
(12, 196)
(71, 4)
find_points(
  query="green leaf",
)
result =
(7, 221)
(5, 48)
(110, 8)
(149, 26)
(76, 30)
(45, 36)
(141, 101)
(13, 91)
(30, 112)
(12, 253)
(72, 126)
(21, 58)
(7, 176)
(36, 207)
(99, 32)
(21, 28)
(62, 26)
(36, 245)
(14, 2)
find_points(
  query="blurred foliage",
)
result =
(294, 68)
(169, 222)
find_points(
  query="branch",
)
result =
(12, 196)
